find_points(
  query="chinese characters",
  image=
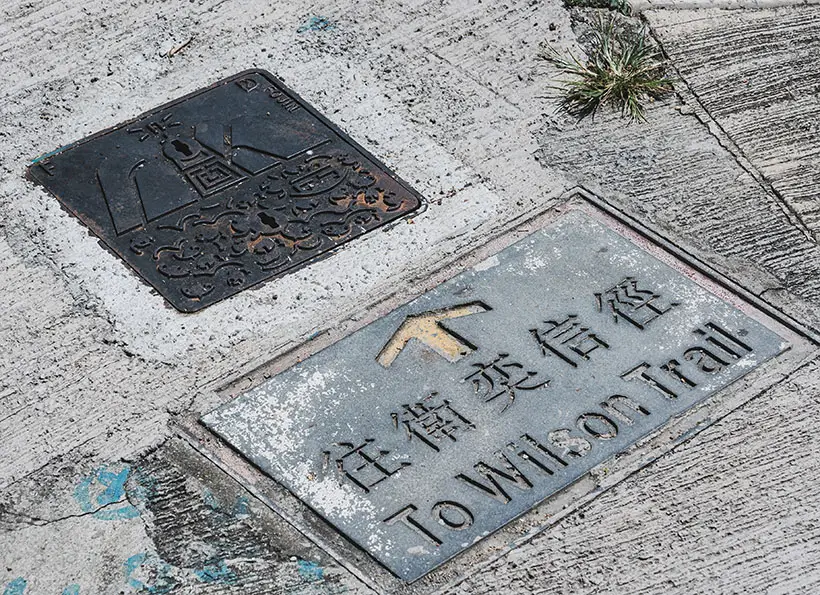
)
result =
(627, 301)
(365, 465)
(569, 340)
(503, 378)
(431, 420)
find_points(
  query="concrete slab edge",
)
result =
(640, 6)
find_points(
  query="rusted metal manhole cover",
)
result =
(224, 188)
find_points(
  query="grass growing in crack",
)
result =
(624, 69)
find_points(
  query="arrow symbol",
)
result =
(427, 328)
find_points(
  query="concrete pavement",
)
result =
(97, 493)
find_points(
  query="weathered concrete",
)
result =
(765, 101)
(639, 6)
(452, 97)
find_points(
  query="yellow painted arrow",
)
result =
(427, 328)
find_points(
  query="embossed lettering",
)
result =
(492, 487)
(431, 420)
(614, 406)
(597, 425)
(574, 446)
(453, 515)
(639, 373)
(157, 128)
(364, 465)
(247, 84)
(705, 360)
(724, 340)
(283, 99)
(671, 368)
(568, 339)
(532, 451)
(405, 517)
(501, 377)
(635, 305)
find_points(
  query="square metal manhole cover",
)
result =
(217, 191)
(442, 421)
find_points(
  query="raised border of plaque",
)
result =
(225, 188)
(798, 344)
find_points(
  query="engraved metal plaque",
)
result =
(449, 417)
(217, 191)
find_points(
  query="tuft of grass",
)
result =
(624, 69)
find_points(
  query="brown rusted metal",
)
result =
(225, 188)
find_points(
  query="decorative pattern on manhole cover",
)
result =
(225, 188)
(452, 415)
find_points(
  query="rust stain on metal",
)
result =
(220, 190)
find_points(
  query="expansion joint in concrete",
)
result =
(643, 5)
(702, 113)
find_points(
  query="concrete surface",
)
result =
(765, 101)
(97, 497)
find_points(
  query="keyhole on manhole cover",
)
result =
(268, 220)
(183, 148)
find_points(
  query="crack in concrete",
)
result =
(726, 142)
(146, 525)
(36, 521)
(768, 289)
(7, 486)
(476, 80)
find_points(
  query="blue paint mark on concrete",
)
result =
(209, 499)
(16, 587)
(317, 23)
(149, 574)
(142, 485)
(216, 573)
(310, 571)
(131, 564)
(242, 507)
(102, 488)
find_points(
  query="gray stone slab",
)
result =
(456, 413)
